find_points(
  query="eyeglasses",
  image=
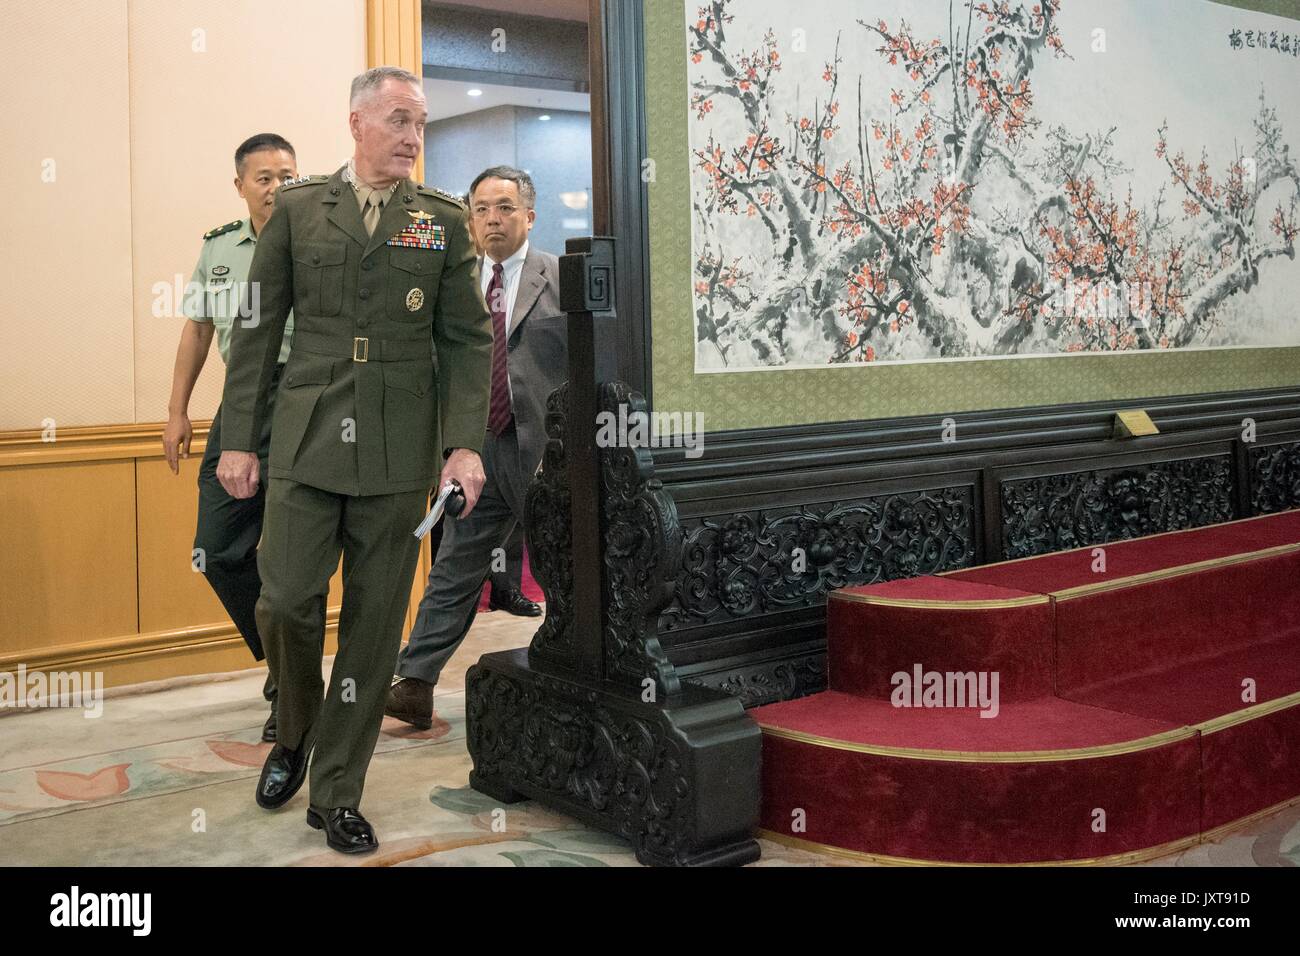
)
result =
(505, 210)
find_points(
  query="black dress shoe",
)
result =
(269, 728)
(411, 700)
(282, 776)
(514, 602)
(346, 830)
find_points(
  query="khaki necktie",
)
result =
(374, 208)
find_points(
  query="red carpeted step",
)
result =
(876, 631)
(1147, 655)
(1043, 723)
(1202, 690)
(1148, 634)
(1047, 780)
(1250, 749)
(1050, 573)
(1250, 763)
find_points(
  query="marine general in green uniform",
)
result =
(389, 373)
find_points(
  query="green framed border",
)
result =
(731, 400)
(1279, 8)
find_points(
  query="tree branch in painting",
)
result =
(956, 224)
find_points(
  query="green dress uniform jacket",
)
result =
(392, 346)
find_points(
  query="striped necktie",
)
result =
(499, 414)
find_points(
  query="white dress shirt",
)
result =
(512, 269)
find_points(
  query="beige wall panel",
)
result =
(67, 554)
(172, 595)
(95, 532)
(65, 307)
(280, 67)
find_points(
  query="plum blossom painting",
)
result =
(932, 180)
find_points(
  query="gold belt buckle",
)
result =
(361, 350)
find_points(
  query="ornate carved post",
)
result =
(592, 719)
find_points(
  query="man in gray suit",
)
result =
(521, 286)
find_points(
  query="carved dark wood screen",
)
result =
(871, 501)
(867, 501)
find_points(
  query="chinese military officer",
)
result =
(389, 375)
(225, 541)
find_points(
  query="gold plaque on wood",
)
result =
(1134, 424)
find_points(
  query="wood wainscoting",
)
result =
(96, 574)
(96, 533)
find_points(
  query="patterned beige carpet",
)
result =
(166, 777)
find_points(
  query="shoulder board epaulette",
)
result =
(441, 194)
(303, 181)
(222, 230)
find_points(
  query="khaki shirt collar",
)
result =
(363, 189)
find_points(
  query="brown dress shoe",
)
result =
(411, 700)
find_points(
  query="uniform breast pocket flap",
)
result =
(316, 374)
(413, 281)
(420, 262)
(318, 278)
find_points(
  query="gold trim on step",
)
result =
(934, 604)
(1088, 547)
(987, 756)
(1115, 859)
(1215, 724)
(1224, 829)
(1148, 577)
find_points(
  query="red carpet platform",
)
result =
(1097, 705)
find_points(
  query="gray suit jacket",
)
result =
(538, 355)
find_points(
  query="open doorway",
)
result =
(507, 87)
(511, 88)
